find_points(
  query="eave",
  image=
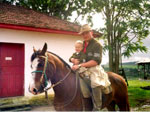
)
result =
(28, 28)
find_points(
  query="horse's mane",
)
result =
(66, 64)
(37, 53)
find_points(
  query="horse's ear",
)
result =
(34, 50)
(44, 49)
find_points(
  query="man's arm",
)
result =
(88, 64)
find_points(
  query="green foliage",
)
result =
(130, 68)
(60, 8)
(126, 25)
(133, 47)
(131, 72)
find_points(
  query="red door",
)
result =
(11, 70)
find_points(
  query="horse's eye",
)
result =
(40, 65)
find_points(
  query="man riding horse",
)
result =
(98, 79)
(49, 67)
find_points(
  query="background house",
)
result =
(20, 30)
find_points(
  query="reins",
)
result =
(73, 97)
(59, 82)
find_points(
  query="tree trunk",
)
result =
(113, 43)
(114, 56)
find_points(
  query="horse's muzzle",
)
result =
(33, 90)
(36, 91)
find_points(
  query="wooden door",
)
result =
(11, 70)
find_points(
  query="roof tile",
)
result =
(10, 14)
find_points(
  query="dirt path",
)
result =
(49, 108)
(43, 108)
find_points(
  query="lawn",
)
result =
(40, 100)
(137, 96)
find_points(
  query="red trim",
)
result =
(19, 27)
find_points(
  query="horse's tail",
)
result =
(127, 104)
(126, 101)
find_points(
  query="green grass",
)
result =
(40, 100)
(138, 96)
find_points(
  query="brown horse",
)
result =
(48, 67)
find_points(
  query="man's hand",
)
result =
(76, 61)
(75, 67)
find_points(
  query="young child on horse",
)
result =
(79, 57)
(78, 53)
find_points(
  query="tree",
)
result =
(60, 8)
(126, 25)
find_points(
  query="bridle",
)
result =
(44, 76)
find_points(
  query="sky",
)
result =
(98, 22)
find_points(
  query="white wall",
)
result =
(62, 45)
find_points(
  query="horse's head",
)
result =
(47, 67)
(39, 64)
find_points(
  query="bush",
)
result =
(131, 71)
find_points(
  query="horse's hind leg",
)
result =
(123, 106)
(111, 106)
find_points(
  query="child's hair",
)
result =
(79, 42)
